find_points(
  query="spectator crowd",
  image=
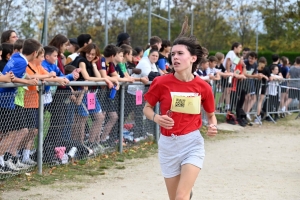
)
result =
(240, 80)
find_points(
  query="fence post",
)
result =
(40, 131)
(156, 109)
(122, 100)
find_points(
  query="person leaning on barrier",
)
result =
(128, 71)
(251, 85)
(86, 61)
(13, 130)
(284, 87)
(9, 36)
(224, 81)
(18, 46)
(110, 106)
(201, 69)
(212, 71)
(273, 92)
(31, 103)
(294, 85)
(262, 62)
(232, 58)
(7, 51)
(54, 99)
(164, 52)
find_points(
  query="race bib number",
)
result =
(91, 101)
(236, 60)
(187, 105)
(138, 97)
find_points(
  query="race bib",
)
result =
(187, 105)
(91, 101)
(138, 97)
(236, 60)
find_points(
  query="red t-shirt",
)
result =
(238, 69)
(160, 91)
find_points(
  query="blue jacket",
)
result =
(53, 68)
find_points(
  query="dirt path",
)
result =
(258, 163)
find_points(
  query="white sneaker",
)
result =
(289, 113)
(149, 134)
(10, 165)
(29, 162)
(72, 152)
(22, 165)
(248, 117)
(256, 121)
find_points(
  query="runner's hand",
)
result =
(164, 121)
(212, 130)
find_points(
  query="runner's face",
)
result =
(181, 58)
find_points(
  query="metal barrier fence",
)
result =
(264, 100)
(58, 124)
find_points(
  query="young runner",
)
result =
(181, 146)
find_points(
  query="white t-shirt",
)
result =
(146, 67)
(73, 56)
(273, 85)
(212, 71)
(233, 58)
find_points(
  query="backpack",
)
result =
(230, 118)
(241, 117)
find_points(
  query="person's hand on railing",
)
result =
(115, 82)
(108, 83)
(144, 80)
(63, 81)
(76, 73)
(227, 74)
(130, 79)
(52, 74)
(211, 77)
(240, 76)
(8, 77)
(33, 81)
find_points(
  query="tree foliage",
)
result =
(217, 23)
